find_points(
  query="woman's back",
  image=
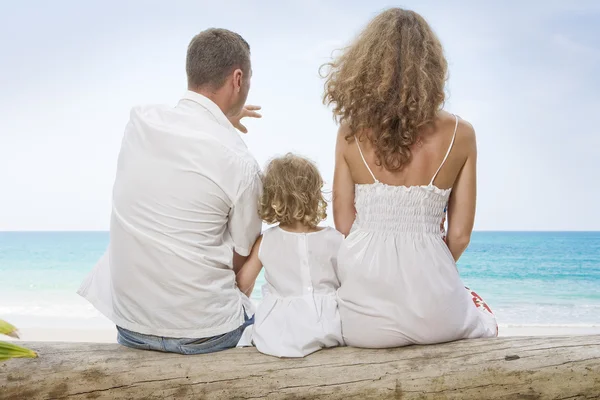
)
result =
(427, 155)
(408, 200)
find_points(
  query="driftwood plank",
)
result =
(506, 368)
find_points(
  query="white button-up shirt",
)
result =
(185, 197)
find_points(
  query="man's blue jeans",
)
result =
(181, 345)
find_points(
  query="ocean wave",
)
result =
(68, 305)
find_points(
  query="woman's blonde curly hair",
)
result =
(389, 83)
(292, 192)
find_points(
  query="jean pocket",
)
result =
(212, 344)
(202, 341)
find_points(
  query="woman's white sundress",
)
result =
(399, 281)
(299, 313)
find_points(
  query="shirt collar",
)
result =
(210, 106)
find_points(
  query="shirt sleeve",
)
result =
(244, 223)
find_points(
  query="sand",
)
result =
(108, 335)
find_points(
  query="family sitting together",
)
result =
(189, 201)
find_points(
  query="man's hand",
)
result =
(247, 111)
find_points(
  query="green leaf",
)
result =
(10, 350)
(8, 329)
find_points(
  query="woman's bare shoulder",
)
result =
(465, 133)
(344, 138)
(344, 132)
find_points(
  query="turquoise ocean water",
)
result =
(528, 278)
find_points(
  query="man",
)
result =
(184, 214)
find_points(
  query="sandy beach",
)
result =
(108, 335)
(548, 330)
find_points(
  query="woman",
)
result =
(400, 161)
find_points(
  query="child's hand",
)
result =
(247, 111)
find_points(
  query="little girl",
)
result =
(298, 314)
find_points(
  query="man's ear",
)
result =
(238, 77)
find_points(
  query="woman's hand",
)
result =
(247, 111)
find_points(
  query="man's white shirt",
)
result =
(185, 196)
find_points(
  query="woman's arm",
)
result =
(246, 278)
(461, 208)
(343, 188)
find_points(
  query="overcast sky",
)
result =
(525, 74)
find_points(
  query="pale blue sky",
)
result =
(524, 73)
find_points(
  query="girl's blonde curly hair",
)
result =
(292, 192)
(389, 83)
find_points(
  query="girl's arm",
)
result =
(461, 208)
(344, 212)
(246, 278)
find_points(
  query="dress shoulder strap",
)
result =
(365, 161)
(447, 153)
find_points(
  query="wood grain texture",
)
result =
(506, 368)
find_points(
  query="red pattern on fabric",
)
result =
(478, 301)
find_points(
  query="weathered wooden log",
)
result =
(507, 368)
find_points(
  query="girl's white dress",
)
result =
(299, 313)
(399, 281)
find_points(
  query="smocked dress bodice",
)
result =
(400, 209)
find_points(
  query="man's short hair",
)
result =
(213, 54)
